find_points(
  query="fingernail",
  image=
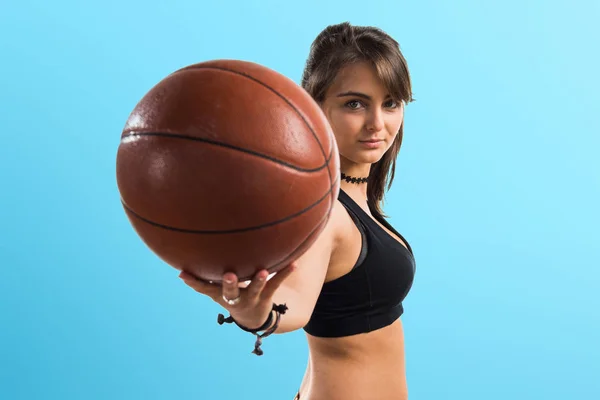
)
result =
(228, 281)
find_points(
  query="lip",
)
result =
(371, 143)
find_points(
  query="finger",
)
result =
(244, 284)
(230, 286)
(257, 284)
(199, 285)
(276, 281)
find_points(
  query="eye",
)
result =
(353, 104)
(391, 104)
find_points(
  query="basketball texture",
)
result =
(227, 165)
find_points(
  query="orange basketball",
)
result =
(227, 165)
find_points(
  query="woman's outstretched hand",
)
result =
(250, 306)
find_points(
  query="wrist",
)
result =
(268, 327)
(253, 327)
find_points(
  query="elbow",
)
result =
(291, 323)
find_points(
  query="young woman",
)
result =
(346, 291)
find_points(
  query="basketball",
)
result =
(227, 166)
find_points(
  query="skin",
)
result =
(366, 366)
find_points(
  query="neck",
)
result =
(353, 178)
(357, 192)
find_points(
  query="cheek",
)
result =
(345, 127)
(394, 123)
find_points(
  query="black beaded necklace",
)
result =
(352, 179)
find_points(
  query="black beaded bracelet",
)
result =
(278, 309)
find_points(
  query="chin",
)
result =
(366, 157)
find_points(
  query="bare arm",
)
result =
(298, 285)
(301, 289)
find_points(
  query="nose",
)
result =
(374, 122)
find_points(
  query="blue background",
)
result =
(497, 190)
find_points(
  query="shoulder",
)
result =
(339, 224)
(335, 223)
(338, 228)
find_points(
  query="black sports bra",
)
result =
(370, 296)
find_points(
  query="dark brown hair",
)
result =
(342, 44)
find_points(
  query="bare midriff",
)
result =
(368, 366)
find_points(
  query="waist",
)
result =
(363, 366)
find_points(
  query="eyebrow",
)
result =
(354, 94)
(357, 94)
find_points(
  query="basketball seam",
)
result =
(229, 146)
(308, 237)
(281, 262)
(272, 90)
(230, 231)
